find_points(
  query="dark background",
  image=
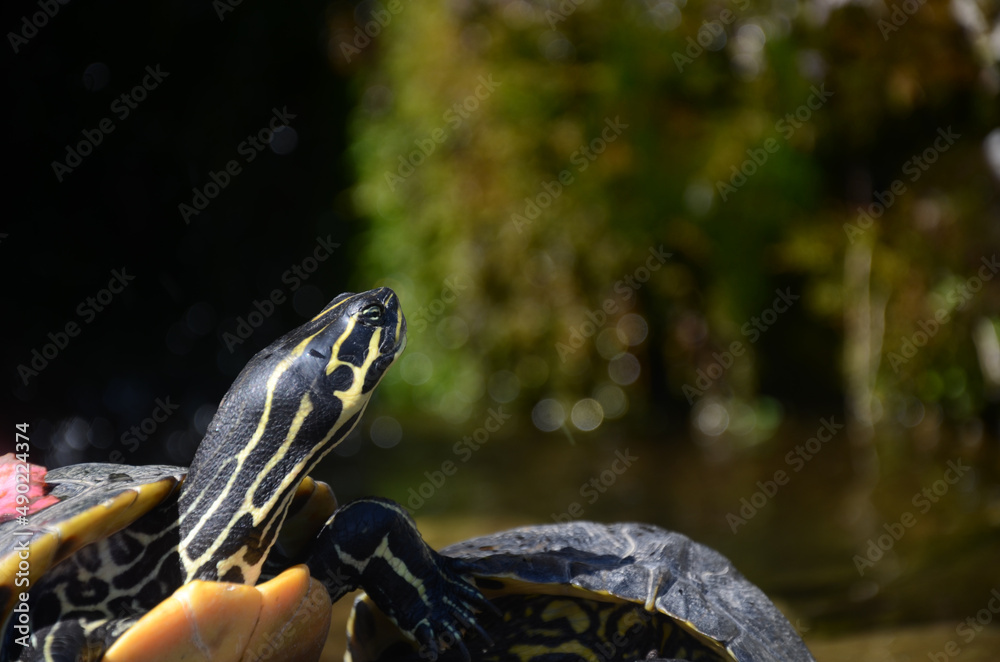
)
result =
(118, 210)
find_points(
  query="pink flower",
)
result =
(11, 475)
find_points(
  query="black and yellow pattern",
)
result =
(589, 592)
(546, 628)
(103, 562)
(539, 628)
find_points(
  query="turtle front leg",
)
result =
(373, 544)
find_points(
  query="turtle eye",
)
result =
(373, 314)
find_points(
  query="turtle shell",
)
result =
(92, 501)
(649, 569)
(89, 502)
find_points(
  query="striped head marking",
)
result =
(293, 402)
(329, 366)
(325, 371)
(358, 338)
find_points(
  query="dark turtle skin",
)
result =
(598, 592)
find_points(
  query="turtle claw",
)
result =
(451, 603)
(434, 607)
(424, 635)
(428, 642)
(469, 621)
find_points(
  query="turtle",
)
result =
(242, 553)
(584, 591)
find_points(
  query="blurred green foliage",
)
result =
(744, 139)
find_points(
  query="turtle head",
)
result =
(304, 392)
(292, 403)
(358, 337)
(325, 371)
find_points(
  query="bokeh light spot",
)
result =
(454, 408)
(587, 414)
(416, 368)
(386, 432)
(609, 343)
(284, 140)
(548, 415)
(613, 400)
(203, 417)
(452, 332)
(503, 386)
(665, 15)
(743, 419)
(624, 369)
(96, 76)
(632, 329)
(711, 419)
